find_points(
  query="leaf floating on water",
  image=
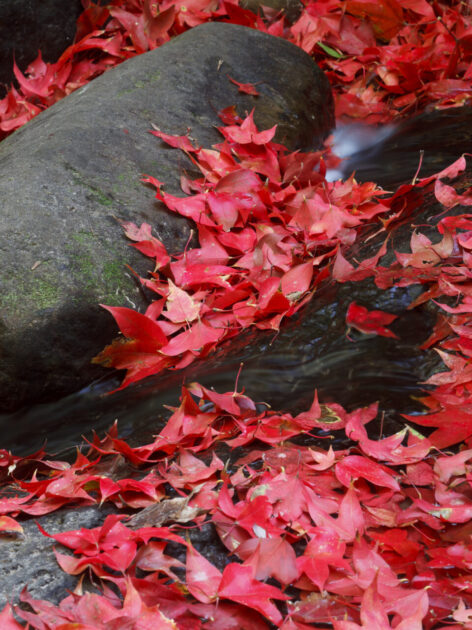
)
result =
(369, 322)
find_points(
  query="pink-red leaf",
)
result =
(239, 585)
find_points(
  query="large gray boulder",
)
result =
(27, 26)
(67, 175)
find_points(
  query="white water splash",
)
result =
(347, 141)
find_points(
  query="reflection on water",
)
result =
(312, 352)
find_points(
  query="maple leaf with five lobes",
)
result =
(247, 132)
(325, 548)
(350, 521)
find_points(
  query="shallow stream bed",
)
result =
(313, 351)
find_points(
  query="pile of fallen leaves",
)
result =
(376, 533)
(374, 536)
(268, 225)
(384, 58)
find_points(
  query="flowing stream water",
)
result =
(313, 351)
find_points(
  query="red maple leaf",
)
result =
(386, 16)
(369, 322)
(239, 585)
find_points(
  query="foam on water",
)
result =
(354, 139)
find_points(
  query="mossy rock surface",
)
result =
(70, 174)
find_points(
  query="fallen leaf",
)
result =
(369, 322)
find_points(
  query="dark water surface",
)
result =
(314, 352)
(311, 352)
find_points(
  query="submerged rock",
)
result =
(70, 173)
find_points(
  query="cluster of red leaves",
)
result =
(383, 58)
(386, 58)
(371, 536)
(374, 536)
(443, 267)
(268, 225)
(271, 229)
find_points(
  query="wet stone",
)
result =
(69, 175)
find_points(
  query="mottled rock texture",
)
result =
(70, 173)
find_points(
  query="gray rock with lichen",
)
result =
(67, 175)
(28, 560)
